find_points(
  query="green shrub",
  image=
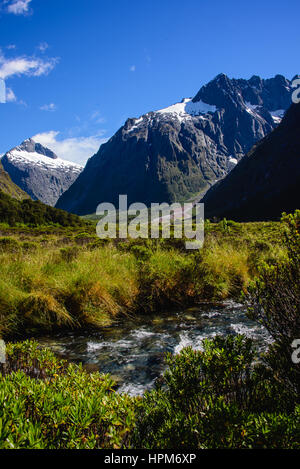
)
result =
(142, 253)
(274, 300)
(34, 213)
(217, 399)
(47, 404)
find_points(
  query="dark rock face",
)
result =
(39, 172)
(174, 153)
(266, 182)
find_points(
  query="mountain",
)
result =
(174, 153)
(266, 182)
(39, 172)
(9, 188)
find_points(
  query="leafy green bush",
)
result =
(274, 300)
(47, 404)
(216, 399)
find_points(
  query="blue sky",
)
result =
(76, 69)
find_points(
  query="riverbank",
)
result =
(65, 280)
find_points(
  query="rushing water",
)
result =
(133, 350)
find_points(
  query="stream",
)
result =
(133, 350)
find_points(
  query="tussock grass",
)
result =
(49, 281)
(43, 290)
(225, 270)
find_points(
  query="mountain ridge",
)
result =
(173, 153)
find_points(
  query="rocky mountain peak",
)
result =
(271, 94)
(31, 146)
(176, 152)
(220, 92)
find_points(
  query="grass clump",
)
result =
(84, 281)
(166, 278)
(40, 311)
(71, 287)
(34, 213)
(9, 245)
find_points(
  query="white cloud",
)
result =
(76, 149)
(48, 107)
(132, 68)
(18, 7)
(29, 66)
(10, 96)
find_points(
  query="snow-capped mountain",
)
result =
(39, 172)
(181, 150)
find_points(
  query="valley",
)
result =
(137, 338)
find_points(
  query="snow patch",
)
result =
(136, 124)
(42, 161)
(277, 115)
(251, 108)
(233, 160)
(186, 108)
